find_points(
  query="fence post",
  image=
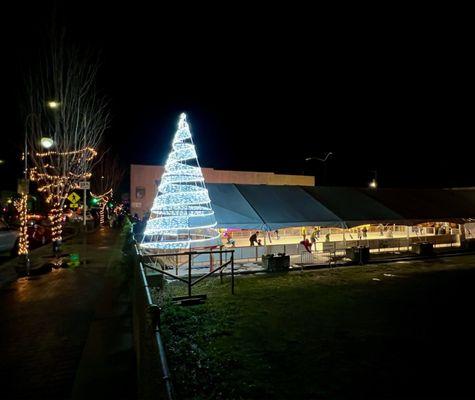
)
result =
(189, 274)
(221, 263)
(232, 272)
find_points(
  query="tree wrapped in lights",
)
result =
(22, 207)
(106, 179)
(63, 134)
(181, 216)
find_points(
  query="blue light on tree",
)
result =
(181, 216)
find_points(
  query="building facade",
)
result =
(144, 180)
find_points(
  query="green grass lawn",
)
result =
(329, 334)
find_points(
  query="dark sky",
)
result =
(266, 88)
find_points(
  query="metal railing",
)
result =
(383, 244)
(191, 256)
(153, 374)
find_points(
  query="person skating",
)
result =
(313, 237)
(306, 243)
(253, 239)
(303, 232)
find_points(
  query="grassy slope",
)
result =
(329, 334)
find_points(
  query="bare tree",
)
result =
(107, 176)
(66, 121)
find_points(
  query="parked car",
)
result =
(89, 217)
(39, 231)
(71, 216)
(8, 238)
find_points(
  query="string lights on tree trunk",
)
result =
(102, 199)
(22, 207)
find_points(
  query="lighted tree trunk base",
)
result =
(56, 217)
(21, 206)
(101, 214)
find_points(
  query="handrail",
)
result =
(166, 377)
(190, 255)
(189, 252)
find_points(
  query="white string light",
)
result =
(103, 200)
(181, 215)
(57, 185)
(22, 207)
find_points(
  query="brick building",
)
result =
(144, 180)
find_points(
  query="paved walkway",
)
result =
(50, 324)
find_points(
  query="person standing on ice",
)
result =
(303, 232)
(253, 239)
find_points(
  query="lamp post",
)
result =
(324, 161)
(27, 189)
(46, 143)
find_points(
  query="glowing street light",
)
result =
(53, 104)
(374, 182)
(46, 142)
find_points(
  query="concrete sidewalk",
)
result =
(56, 325)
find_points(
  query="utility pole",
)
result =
(85, 186)
(27, 190)
(84, 205)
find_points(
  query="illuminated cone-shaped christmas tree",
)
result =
(181, 216)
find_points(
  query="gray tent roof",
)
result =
(418, 205)
(267, 207)
(273, 207)
(282, 206)
(353, 206)
(231, 209)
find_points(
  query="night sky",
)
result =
(266, 88)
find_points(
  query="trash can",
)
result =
(275, 263)
(358, 254)
(423, 248)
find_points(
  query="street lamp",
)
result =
(46, 142)
(324, 161)
(373, 184)
(53, 104)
